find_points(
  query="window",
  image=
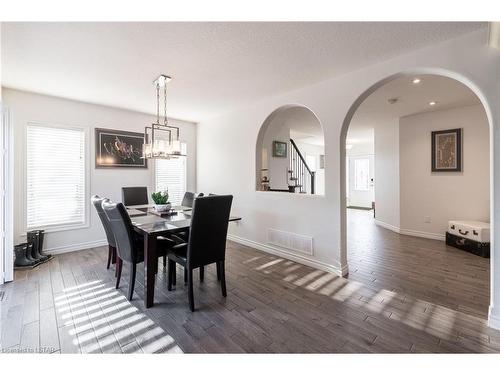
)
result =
(55, 177)
(170, 174)
(362, 174)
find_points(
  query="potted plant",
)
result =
(161, 201)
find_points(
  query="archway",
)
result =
(408, 77)
(290, 152)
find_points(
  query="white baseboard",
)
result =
(75, 247)
(337, 270)
(493, 319)
(386, 225)
(416, 233)
(410, 232)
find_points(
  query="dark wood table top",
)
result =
(148, 223)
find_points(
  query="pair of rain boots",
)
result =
(30, 254)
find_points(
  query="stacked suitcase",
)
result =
(471, 236)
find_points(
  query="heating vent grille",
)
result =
(292, 241)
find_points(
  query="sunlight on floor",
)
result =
(416, 314)
(100, 318)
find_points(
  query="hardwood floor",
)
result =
(402, 295)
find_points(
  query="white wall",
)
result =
(278, 130)
(226, 149)
(26, 107)
(386, 137)
(443, 196)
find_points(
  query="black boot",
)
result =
(22, 261)
(29, 251)
(41, 234)
(33, 240)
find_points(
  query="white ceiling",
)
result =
(304, 126)
(411, 99)
(217, 67)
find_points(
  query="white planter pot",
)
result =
(162, 207)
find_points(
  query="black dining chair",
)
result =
(135, 195)
(129, 244)
(206, 243)
(188, 199)
(97, 202)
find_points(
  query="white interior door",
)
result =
(361, 181)
(6, 209)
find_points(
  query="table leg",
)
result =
(150, 264)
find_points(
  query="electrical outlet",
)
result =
(427, 219)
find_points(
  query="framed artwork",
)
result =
(119, 149)
(279, 149)
(447, 150)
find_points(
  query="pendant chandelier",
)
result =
(161, 139)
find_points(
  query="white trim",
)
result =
(337, 270)
(8, 186)
(416, 233)
(76, 247)
(493, 319)
(387, 226)
(57, 228)
(410, 232)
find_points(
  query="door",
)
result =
(361, 181)
(6, 188)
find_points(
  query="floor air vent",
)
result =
(292, 241)
(2, 296)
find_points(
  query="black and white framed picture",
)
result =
(119, 149)
(279, 149)
(446, 150)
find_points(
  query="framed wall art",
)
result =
(279, 149)
(119, 149)
(446, 150)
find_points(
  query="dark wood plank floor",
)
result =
(396, 299)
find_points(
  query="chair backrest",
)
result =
(208, 231)
(121, 225)
(97, 202)
(188, 199)
(135, 195)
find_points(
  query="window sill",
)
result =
(59, 228)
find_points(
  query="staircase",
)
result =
(300, 177)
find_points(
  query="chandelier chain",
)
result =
(158, 103)
(165, 104)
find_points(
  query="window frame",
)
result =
(86, 148)
(153, 184)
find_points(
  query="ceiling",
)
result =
(304, 125)
(411, 99)
(217, 67)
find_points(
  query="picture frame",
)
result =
(446, 150)
(280, 149)
(119, 149)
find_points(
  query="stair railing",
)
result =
(299, 171)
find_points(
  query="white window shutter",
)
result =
(55, 173)
(170, 174)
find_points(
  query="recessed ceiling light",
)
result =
(433, 103)
(416, 81)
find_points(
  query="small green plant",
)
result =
(160, 197)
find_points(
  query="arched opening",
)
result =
(290, 152)
(415, 154)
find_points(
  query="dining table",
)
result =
(151, 224)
